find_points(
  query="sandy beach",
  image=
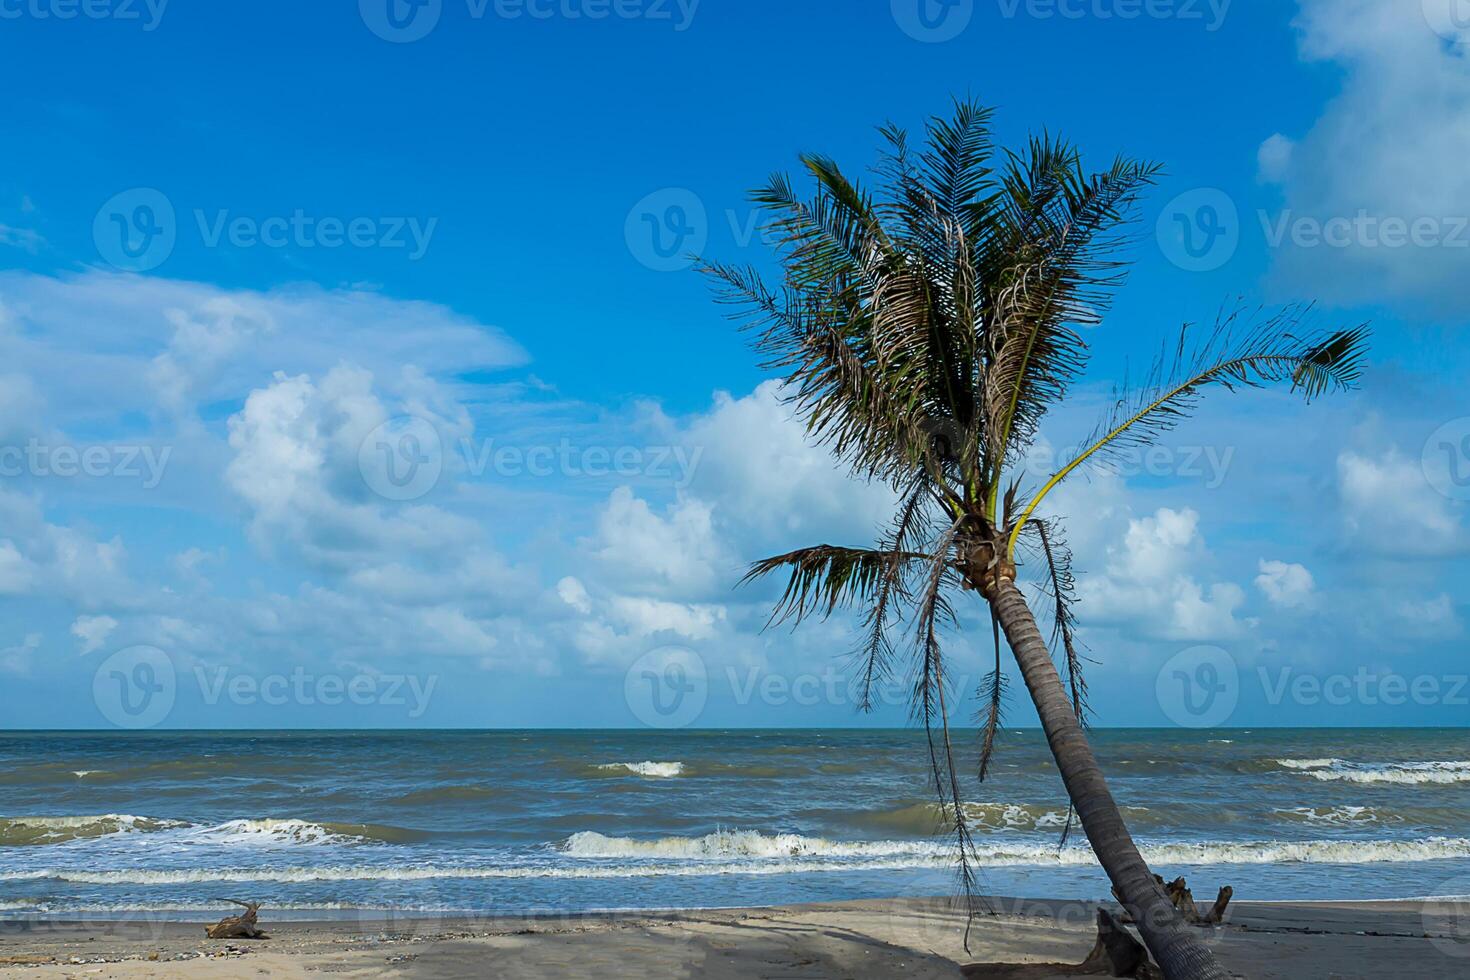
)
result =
(912, 938)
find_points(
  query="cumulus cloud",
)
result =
(1387, 152)
(1149, 583)
(102, 344)
(1287, 586)
(17, 659)
(1391, 509)
(38, 557)
(93, 631)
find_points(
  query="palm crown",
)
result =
(925, 328)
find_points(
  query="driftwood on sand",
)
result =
(1115, 954)
(1183, 899)
(242, 926)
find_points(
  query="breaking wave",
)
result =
(657, 770)
(753, 853)
(25, 831)
(1402, 773)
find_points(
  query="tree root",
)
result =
(1115, 954)
(1183, 899)
(241, 926)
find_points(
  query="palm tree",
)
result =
(924, 330)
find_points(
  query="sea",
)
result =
(330, 824)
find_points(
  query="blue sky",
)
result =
(345, 238)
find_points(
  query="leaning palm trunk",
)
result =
(1178, 950)
(924, 333)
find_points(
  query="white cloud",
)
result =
(17, 659)
(675, 553)
(574, 594)
(1390, 508)
(1390, 145)
(1273, 159)
(1288, 586)
(41, 558)
(101, 345)
(1149, 585)
(93, 631)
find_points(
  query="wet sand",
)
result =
(911, 938)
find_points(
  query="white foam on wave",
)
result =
(751, 853)
(657, 770)
(264, 831)
(60, 829)
(1401, 773)
(1334, 816)
(741, 844)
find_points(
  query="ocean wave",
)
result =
(751, 853)
(293, 831)
(1401, 773)
(657, 770)
(28, 831)
(24, 831)
(1337, 816)
(739, 843)
(725, 844)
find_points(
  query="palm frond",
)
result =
(826, 577)
(1272, 351)
(1063, 593)
(992, 696)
